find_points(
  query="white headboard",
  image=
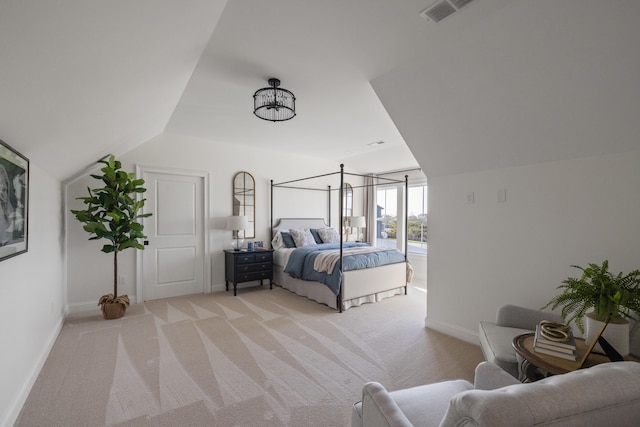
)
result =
(297, 223)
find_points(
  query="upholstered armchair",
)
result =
(604, 395)
(496, 337)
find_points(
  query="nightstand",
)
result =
(247, 266)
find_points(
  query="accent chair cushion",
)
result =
(604, 395)
(495, 342)
(426, 402)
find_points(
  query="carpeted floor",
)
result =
(263, 357)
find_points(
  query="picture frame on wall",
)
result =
(14, 202)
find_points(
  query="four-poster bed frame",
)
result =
(363, 281)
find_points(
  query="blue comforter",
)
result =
(300, 264)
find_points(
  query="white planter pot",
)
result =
(616, 333)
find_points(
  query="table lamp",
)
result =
(357, 222)
(237, 223)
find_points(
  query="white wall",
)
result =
(90, 271)
(33, 295)
(486, 254)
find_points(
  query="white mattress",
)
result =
(281, 256)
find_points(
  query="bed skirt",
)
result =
(360, 286)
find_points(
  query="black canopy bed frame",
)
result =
(379, 290)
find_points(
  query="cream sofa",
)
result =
(496, 337)
(605, 395)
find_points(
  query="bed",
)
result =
(356, 287)
(352, 285)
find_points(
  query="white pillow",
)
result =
(302, 237)
(329, 235)
(277, 242)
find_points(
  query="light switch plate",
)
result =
(470, 197)
(502, 195)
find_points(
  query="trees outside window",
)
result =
(417, 219)
(387, 232)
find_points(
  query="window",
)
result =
(387, 219)
(417, 219)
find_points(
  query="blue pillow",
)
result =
(287, 239)
(316, 236)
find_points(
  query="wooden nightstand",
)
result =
(247, 266)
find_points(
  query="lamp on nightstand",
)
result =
(237, 223)
(357, 222)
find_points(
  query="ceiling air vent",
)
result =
(440, 10)
(459, 4)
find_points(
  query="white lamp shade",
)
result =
(357, 222)
(237, 223)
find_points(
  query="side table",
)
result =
(531, 363)
(247, 266)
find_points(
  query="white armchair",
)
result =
(607, 394)
(511, 321)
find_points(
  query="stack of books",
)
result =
(562, 349)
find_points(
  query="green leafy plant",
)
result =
(610, 296)
(112, 213)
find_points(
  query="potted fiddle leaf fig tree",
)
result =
(612, 299)
(113, 213)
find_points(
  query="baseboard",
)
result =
(453, 330)
(219, 287)
(15, 408)
(88, 306)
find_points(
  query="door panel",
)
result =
(173, 260)
(176, 208)
(176, 265)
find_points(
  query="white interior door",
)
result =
(173, 262)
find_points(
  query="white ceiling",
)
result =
(500, 83)
(80, 79)
(326, 52)
(519, 83)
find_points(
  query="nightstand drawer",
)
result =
(245, 258)
(265, 257)
(259, 275)
(246, 268)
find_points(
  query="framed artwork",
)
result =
(14, 202)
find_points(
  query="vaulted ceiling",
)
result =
(499, 83)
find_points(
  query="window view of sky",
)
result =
(387, 198)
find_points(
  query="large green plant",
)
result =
(609, 295)
(112, 213)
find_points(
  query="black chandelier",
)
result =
(273, 103)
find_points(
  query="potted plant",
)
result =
(112, 213)
(613, 299)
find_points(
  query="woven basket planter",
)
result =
(113, 308)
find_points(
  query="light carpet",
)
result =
(263, 357)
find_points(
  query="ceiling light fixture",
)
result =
(273, 103)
